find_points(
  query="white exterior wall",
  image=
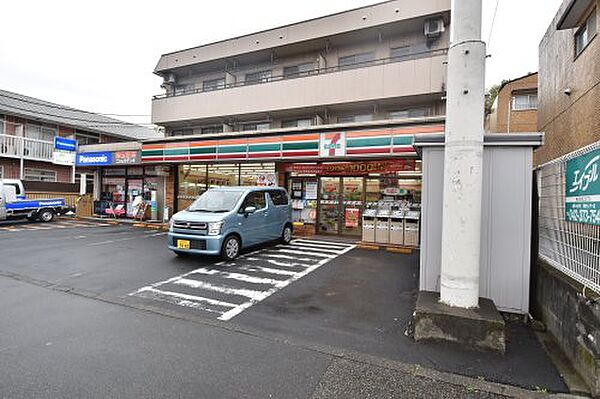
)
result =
(505, 227)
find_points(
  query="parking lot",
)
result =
(319, 295)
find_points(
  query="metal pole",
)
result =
(463, 158)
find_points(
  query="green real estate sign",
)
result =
(582, 204)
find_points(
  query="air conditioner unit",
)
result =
(434, 28)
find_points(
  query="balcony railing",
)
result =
(22, 147)
(316, 71)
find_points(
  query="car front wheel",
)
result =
(286, 236)
(231, 248)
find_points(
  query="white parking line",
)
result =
(232, 279)
(292, 251)
(225, 290)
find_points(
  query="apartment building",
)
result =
(327, 108)
(28, 127)
(567, 273)
(515, 107)
(569, 77)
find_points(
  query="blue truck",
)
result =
(15, 205)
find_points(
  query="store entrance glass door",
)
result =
(341, 205)
(352, 205)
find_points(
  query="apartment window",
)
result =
(32, 174)
(298, 70)
(256, 126)
(38, 132)
(184, 89)
(213, 84)
(304, 122)
(1, 124)
(181, 132)
(420, 112)
(585, 34)
(1, 172)
(86, 139)
(355, 60)
(258, 77)
(355, 118)
(212, 129)
(524, 101)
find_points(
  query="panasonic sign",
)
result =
(94, 159)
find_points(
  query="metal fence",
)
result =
(572, 248)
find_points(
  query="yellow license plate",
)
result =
(183, 244)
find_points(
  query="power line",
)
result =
(493, 21)
(66, 108)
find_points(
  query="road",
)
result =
(96, 310)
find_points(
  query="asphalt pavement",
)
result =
(74, 324)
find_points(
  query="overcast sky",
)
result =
(99, 55)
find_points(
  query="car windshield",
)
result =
(216, 201)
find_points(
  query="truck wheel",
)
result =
(231, 248)
(46, 215)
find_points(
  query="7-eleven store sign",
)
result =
(332, 144)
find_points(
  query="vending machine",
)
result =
(368, 226)
(411, 228)
(397, 227)
(382, 226)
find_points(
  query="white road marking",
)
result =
(279, 256)
(329, 243)
(275, 261)
(322, 246)
(192, 301)
(252, 294)
(237, 276)
(267, 270)
(291, 251)
(302, 248)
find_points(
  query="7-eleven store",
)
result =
(332, 174)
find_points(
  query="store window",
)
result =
(220, 175)
(258, 174)
(33, 174)
(192, 183)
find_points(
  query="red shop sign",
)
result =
(353, 168)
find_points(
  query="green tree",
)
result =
(491, 94)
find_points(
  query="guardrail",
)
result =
(316, 71)
(22, 147)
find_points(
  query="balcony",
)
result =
(21, 147)
(409, 75)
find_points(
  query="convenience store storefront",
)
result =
(332, 177)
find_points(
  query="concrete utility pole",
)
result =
(463, 159)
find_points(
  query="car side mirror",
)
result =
(249, 209)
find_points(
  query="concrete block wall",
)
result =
(573, 320)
